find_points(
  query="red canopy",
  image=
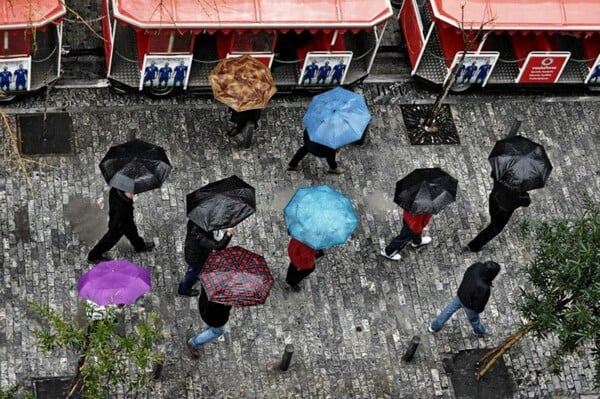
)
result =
(18, 14)
(248, 14)
(555, 15)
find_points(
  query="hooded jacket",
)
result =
(199, 244)
(475, 288)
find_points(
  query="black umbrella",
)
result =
(427, 190)
(135, 166)
(221, 204)
(519, 163)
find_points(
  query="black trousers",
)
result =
(112, 237)
(498, 219)
(295, 275)
(303, 151)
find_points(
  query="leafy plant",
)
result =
(107, 360)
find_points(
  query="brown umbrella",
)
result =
(242, 83)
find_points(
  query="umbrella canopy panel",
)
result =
(237, 277)
(320, 217)
(520, 163)
(116, 282)
(336, 118)
(221, 204)
(426, 191)
(30, 13)
(244, 14)
(135, 166)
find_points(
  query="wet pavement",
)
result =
(353, 319)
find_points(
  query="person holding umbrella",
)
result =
(120, 223)
(199, 244)
(246, 121)
(215, 316)
(421, 193)
(318, 150)
(302, 262)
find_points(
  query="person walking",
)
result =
(120, 223)
(198, 246)
(246, 121)
(412, 230)
(302, 262)
(215, 317)
(472, 296)
(318, 150)
(503, 201)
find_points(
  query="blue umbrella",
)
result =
(320, 217)
(336, 118)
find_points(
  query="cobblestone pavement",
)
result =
(353, 319)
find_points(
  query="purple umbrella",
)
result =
(117, 282)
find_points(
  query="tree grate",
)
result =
(46, 134)
(445, 132)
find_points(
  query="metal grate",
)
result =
(45, 134)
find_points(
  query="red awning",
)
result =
(20, 14)
(519, 15)
(248, 14)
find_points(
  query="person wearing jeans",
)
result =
(215, 316)
(412, 229)
(472, 296)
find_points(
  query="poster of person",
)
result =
(475, 68)
(162, 71)
(325, 68)
(14, 74)
(593, 77)
(264, 58)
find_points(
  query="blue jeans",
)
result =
(452, 307)
(207, 335)
(189, 279)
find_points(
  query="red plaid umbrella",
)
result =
(235, 276)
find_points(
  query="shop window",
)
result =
(248, 42)
(15, 42)
(172, 42)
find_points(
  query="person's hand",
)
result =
(229, 231)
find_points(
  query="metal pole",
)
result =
(515, 126)
(287, 357)
(157, 369)
(412, 348)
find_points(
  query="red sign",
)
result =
(543, 67)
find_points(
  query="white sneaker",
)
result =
(431, 330)
(394, 256)
(424, 241)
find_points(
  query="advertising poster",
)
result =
(14, 74)
(593, 78)
(325, 68)
(165, 71)
(475, 68)
(543, 66)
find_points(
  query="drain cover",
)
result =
(46, 134)
(444, 131)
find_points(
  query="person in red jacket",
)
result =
(302, 262)
(412, 228)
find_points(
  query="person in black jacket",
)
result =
(120, 223)
(215, 316)
(246, 121)
(318, 150)
(473, 294)
(502, 203)
(198, 246)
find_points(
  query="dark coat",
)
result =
(507, 199)
(120, 211)
(475, 288)
(214, 314)
(199, 244)
(318, 150)
(242, 118)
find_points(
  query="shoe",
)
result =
(148, 246)
(336, 171)
(192, 292)
(484, 335)
(431, 330)
(472, 249)
(101, 258)
(424, 241)
(195, 352)
(294, 168)
(232, 132)
(295, 288)
(394, 256)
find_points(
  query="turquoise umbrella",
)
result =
(320, 217)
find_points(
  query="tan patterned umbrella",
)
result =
(242, 83)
